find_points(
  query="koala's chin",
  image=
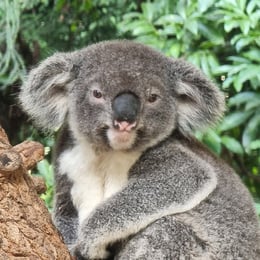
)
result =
(121, 140)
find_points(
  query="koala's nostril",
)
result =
(125, 108)
(124, 126)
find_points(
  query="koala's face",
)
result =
(123, 110)
(120, 95)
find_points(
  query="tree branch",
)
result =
(26, 227)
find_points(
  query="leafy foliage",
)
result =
(45, 170)
(71, 24)
(11, 63)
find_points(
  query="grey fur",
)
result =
(179, 200)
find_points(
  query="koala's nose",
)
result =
(125, 108)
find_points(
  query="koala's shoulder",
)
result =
(65, 140)
(169, 154)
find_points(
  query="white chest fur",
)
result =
(95, 177)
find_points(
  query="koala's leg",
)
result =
(167, 238)
(65, 215)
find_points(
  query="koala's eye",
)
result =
(152, 98)
(97, 93)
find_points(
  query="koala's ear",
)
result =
(44, 93)
(199, 102)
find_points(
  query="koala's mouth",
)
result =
(119, 139)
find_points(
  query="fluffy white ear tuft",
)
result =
(199, 102)
(44, 93)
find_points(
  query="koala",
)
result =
(131, 180)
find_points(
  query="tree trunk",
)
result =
(26, 229)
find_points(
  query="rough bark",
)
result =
(26, 229)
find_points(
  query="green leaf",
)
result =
(243, 42)
(205, 64)
(245, 26)
(242, 4)
(168, 30)
(254, 103)
(227, 82)
(253, 55)
(192, 26)
(234, 119)
(204, 5)
(131, 16)
(241, 98)
(129, 26)
(237, 84)
(232, 144)
(194, 58)
(213, 61)
(255, 145)
(181, 9)
(239, 60)
(251, 6)
(254, 19)
(213, 141)
(211, 33)
(169, 19)
(231, 24)
(175, 50)
(143, 28)
(223, 69)
(46, 171)
(151, 40)
(257, 207)
(148, 11)
(248, 73)
(251, 130)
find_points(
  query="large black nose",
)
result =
(126, 107)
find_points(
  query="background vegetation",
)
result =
(221, 37)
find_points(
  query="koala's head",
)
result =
(120, 95)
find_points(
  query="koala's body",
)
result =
(131, 182)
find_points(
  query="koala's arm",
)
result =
(65, 215)
(165, 181)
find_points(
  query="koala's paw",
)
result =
(78, 256)
(76, 253)
(83, 252)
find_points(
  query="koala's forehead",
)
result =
(121, 56)
(121, 66)
(120, 80)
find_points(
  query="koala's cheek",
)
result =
(121, 140)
